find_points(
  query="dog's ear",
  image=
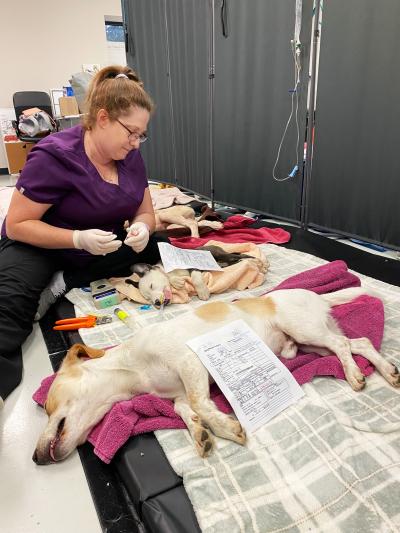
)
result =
(130, 281)
(140, 269)
(80, 350)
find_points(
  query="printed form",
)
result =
(256, 384)
(173, 258)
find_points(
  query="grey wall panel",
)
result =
(254, 74)
(188, 40)
(355, 181)
(169, 46)
(147, 53)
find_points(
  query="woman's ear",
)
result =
(103, 118)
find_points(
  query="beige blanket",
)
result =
(246, 274)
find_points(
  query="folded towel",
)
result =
(236, 230)
(331, 277)
(246, 274)
(363, 317)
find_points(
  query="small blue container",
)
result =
(68, 91)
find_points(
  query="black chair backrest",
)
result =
(27, 99)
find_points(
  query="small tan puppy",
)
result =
(155, 284)
(183, 215)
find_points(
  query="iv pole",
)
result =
(311, 121)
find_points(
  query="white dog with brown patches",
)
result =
(158, 361)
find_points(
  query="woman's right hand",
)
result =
(96, 241)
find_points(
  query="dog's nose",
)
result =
(40, 459)
(157, 303)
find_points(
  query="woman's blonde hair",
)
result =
(115, 94)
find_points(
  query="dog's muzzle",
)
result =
(164, 299)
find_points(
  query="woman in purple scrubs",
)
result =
(65, 224)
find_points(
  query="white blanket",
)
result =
(330, 463)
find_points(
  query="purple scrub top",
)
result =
(58, 172)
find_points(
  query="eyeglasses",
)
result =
(132, 135)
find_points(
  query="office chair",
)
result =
(25, 100)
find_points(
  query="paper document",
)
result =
(256, 384)
(173, 257)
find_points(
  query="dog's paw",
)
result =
(214, 224)
(264, 267)
(239, 433)
(355, 378)
(231, 430)
(177, 282)
(260, 265)
(289, 350)
(203, 441)
(392, 375)
(203, 293)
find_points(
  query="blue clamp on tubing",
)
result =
(369, 245)
(294, 172)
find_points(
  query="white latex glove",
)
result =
(96, 241)
(138, 236)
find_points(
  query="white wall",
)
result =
(42, 43)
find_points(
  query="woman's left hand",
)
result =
(138, 236)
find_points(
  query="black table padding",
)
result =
(157, 515)
(374, 266)
(140, 463)
(139, 491)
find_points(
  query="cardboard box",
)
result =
(68, 106)
(17, 152)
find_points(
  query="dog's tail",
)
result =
(343, 296)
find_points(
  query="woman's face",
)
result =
(119, 137)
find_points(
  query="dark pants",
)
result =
(24, 272)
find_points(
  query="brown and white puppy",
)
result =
(157, 361)
(183, 215)
(156, 285)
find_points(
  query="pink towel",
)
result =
(363, 317)
(141, 414)
(235, 230)
(331, 277)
